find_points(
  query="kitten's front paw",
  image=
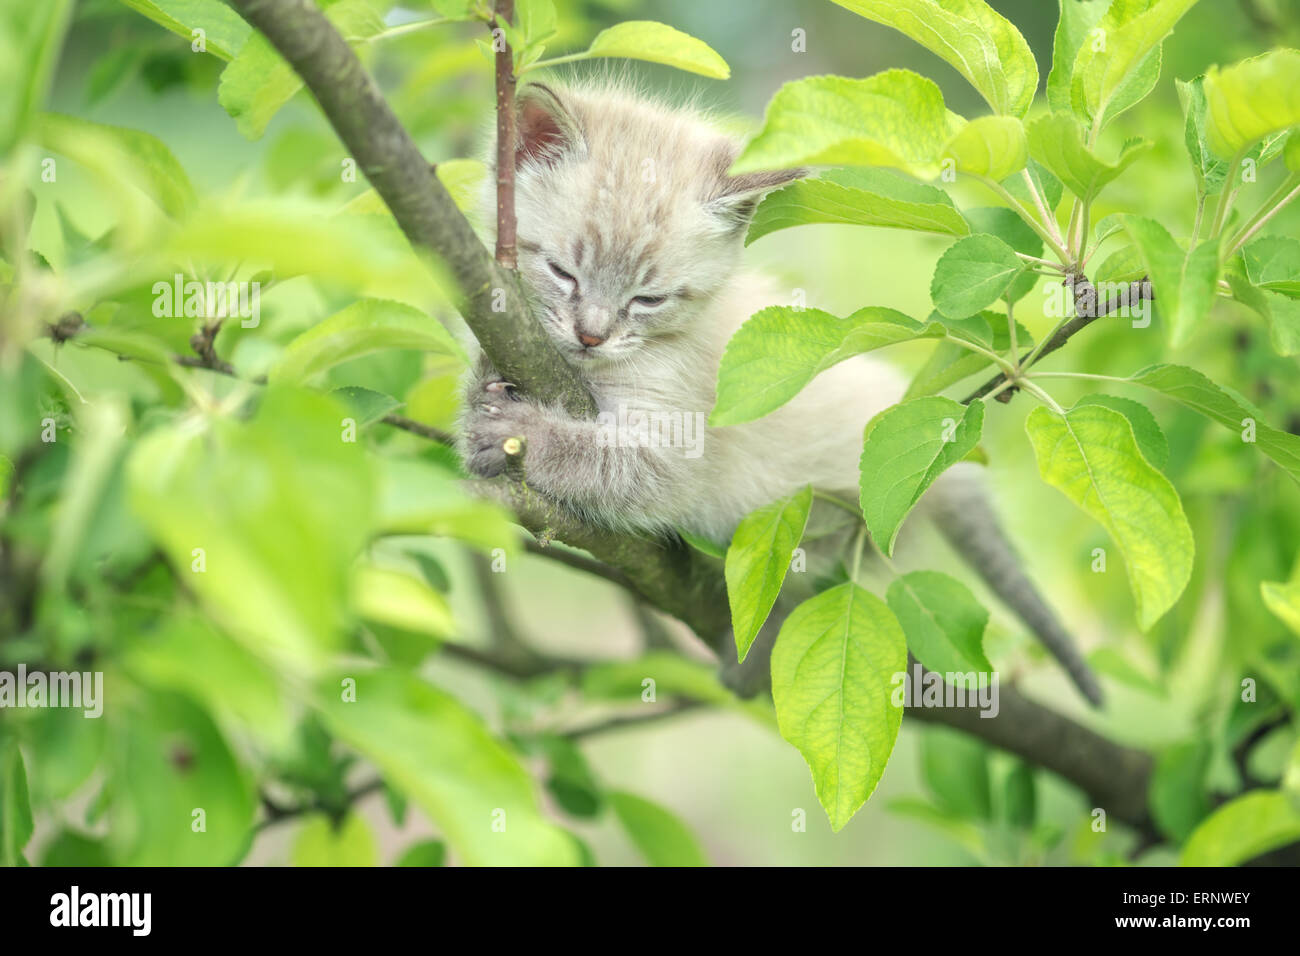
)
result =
(494, 415)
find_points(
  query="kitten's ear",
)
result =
(736, 197)
(546, 128)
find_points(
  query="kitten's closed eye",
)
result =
(561, 274)
(650, 300)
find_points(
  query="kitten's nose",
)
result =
(591, 341)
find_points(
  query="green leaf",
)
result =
(1249, 100)
(1177, 794)
(781, 349)
(1225, 406)
(964, 833)
(1020, 799)
(424, 853)
(1150, 438)
(1047, 185)
(15, 809)
(262, 519)
(896, 118)
(981, 45)
(703, 544)
(288, 240)
(859, 197)
(258, 81)
(1056, 141)
(417, 497)
(757, 562)
(1283, 599)
(136, 158)
(1010, 228)
(187, 654)
(399, 599)
(955, 768)
(454, 9)
(1123, 266)
(950, 362)
(171, 762)
(571, 781)
(670, 674)
(1076, 21)
(660, 836)
(1092, 457)
(71, 848)
(833, 672)
(319, 842)
(366, 404)
(428, 745)
(991, 146)
(943, 622)
(1131, 30)
(1273, 263)
(32, 37)
(1184, 282)
(1281, 312)
(536, 20)
(1210, 172)
(973, 273)
(658, 43)
(907, 447)
(366, 326)
(1242, 829)
(224, 32)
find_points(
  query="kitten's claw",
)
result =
(489, 426)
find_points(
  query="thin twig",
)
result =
(1087, 311)
(506, 133)
(421, 429)
(623, 721)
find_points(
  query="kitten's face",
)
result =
(627, 221)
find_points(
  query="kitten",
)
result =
(630, 231)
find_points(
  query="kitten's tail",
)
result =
(964, 513)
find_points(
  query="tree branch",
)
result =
(1086, 312)
(506, 119)
(491, 299)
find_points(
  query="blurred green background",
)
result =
(733, 781)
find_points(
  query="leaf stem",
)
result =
(839, 502)
(554, 61)
(1040, 203)
(403, 28)
(1226, 197)
(1087, 375)
(1002, 363)
(1041, 395)
(1046, 263)
(858, 541)
(1288, 191)
(1053, 241)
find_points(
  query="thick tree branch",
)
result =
(668, 573)
(492, 299)
(1114, 776)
